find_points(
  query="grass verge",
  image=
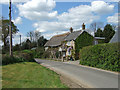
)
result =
(29, 75)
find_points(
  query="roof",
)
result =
(56, 40)
(73, 35)
(115, 37)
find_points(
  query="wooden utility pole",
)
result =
(10, 29)
(20, 40)
(20, 43)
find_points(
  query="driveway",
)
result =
(82, 75)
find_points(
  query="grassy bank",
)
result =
(29, 75)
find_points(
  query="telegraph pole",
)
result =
(10, 29)
(20, 40)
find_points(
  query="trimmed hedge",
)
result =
(105, 56)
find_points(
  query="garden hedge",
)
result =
(105, 56)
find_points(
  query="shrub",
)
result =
(22, 57)
(19, 56)
(46, 54)
(38, 53)
(27, 57)
(10, 60)
(105, 56)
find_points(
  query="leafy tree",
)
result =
(42, 41)
(5, 30)
(16, 47)
(108, 33)
(26, 44)
(99, 33)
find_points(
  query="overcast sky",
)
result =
(52, 17)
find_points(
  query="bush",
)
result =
(23, 57)
(19, 56)
(27, 57)
(105, 56)
(46, 54)
(10, 60)
(38, 53)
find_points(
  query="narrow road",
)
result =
(85, 76)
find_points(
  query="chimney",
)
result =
(83, 26)
(71, 29)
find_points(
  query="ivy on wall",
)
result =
(85, 39)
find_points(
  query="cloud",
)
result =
(113, 19)
(50, 23)
(38, 9)
(46, 26)
(74, 17)
(101, 7)
(18, 20)
(78, 15)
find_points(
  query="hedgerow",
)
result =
(105, 56)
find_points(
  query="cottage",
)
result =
(54, 45)
(67, 45)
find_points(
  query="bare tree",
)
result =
(34, 36)
(95, 25)
(37, 35)
(114, 27)
(31, 35)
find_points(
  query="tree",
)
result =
(5, 30)
(26, 44)
(114, 27)
(108, 32)
(42, 41)
(99, 33)
(31, 35)
(95, 25)
(34, 36)
(37, 35)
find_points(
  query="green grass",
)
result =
(29, 75)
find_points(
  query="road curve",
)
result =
(87, 77)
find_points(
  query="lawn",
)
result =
(29, 75)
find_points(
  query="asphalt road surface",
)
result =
(87, 77)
